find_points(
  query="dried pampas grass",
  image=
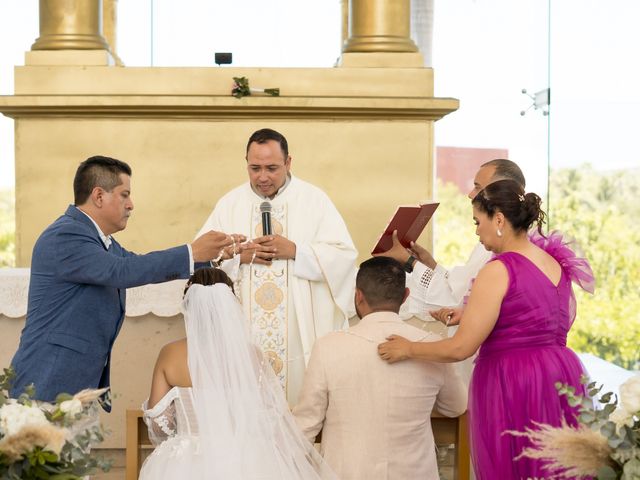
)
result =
(46, 436)
(89, 395)
(577, 452)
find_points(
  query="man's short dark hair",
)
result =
(97, 171)
(266, 134)
(506, 170)
(382, 281)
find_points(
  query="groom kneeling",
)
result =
(375, 418)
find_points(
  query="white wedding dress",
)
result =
(234, 423)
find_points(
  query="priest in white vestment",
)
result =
(299, 283)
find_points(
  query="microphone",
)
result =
(265, 210)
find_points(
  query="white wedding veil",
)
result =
(246, 429)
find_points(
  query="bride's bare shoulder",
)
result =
(173, 349)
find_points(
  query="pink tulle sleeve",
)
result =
(576, 267)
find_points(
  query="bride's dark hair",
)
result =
(521, 209)
(208, 276)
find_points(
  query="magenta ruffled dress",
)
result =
(513, 382)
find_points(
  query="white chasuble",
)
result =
(292, 302)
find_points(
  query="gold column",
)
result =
(379, 26)
(344, 4)
(109, 22)
(70, 25)
(109, 27)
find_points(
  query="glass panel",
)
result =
(18, 30)
(283, 33)
(484, 53)
(595, 171)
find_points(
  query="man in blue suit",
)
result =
(79, 277)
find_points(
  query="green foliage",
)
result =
(241, 88)
(622, 434)
(454, 229)
(601, 211)
(72, 464)
(7, 228)
(6, 377)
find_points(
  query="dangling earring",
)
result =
(499, 232)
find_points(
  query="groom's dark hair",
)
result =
(97, 171)
(382, 281)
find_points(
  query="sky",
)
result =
(484, 53)
(487, 51)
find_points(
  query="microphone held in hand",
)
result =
(265, 210)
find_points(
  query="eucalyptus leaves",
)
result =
(606, 444)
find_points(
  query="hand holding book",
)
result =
(397, 251)
(408, 222)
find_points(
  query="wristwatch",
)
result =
(408, 265)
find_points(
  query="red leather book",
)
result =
(409, 221)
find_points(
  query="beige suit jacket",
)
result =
(375, 417)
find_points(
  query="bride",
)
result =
(216, 410)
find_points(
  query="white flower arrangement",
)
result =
(40, 440)
(15, 416)
(71, 407)
(606, 443)
(630, 396)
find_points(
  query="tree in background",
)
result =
(7, 228)
(600, 210)
(454, 233)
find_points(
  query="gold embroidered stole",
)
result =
(269, 298)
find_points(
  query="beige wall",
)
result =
(134, 356)
(364, 135)
(182, 167)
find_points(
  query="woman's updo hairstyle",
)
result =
(208, 276)
(522, 210)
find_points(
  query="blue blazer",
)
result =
(77, 296)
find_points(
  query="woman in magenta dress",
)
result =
(519, 311)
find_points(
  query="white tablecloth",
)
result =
(162, 299)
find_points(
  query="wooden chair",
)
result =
(137, 438)
(445, 431)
